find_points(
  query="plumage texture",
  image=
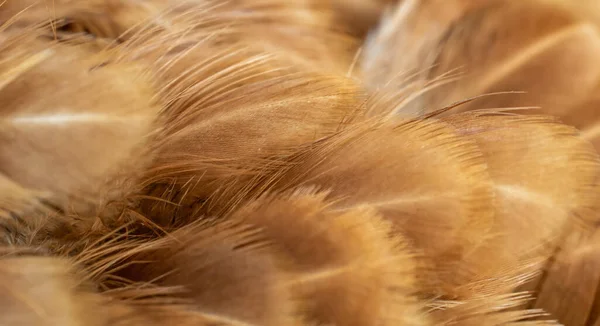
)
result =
(347, 267)
(491, 46)
(261, 163)
(68, 144)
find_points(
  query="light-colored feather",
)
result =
(64, 137)
(544, 178)
(500, 46)
(498, 310)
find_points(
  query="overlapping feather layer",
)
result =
(240, 163)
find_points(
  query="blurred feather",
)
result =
(501, 46)
(496, 310)
(545, 180)
(65, 139)
(299, 31)
(42, 291)
(568, 288)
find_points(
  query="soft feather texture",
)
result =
(224, 269)
(188, 205)
(491, 311)
(524, 194)
(71, 144)
(41, 291)
(569, 288)
(498, 46)
(347, 267)
(378, 164)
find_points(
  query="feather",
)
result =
(496, 310)
(497, 52)
(211, 92)
(173, 111)
(63, 136)
(568, 289)
(305, 32)
(413, 29)
(98, 18)
(359, 16)
(347, 268)
(225, 270)
(298, 31)
(41, 291)
(420, 174)
(540, 169)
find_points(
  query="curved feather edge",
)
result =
(546, 180)
(347, 268)
(430, 182)
(490, 311)
(92, 138)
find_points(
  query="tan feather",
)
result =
(499, 310)
(225, 270)
(41, 291)
(544, 177)
(305, 32)
(254, 108)
(100, 18)
(405, 43)
(347, 268)
(501, 46)
(212, 92)
(66, 137)
(298, 31)
(419, 174)
(568, 289)
(359, 16)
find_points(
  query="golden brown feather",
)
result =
(171, 110)
(499, 46)
(346, 267)
(66, 140)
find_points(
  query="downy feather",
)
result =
(527, 46)
(545, 180)
(67, 142)
(346, 267)
(429, 181)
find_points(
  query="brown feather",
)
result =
(347, 268)
(224, 268)
(209, 94)
(527, 46)
(545, 179)
(568, 289)
(41, 291)
(63, 136)
(498, 310)
(419, 174)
